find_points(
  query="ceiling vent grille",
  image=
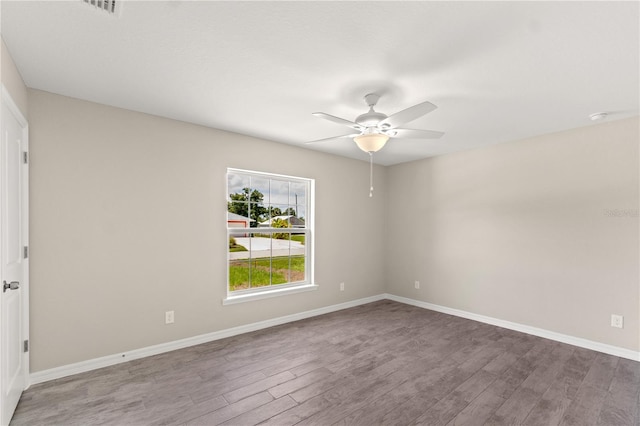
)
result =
(110, 6)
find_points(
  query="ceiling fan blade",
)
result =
(417, 134)
(334, 137)
(409, 114)
(338, 120)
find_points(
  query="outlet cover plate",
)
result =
(617, 321)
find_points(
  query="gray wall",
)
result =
(128, 220)
(542, 232)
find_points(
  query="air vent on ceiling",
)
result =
(110, 6)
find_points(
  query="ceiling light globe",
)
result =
(597, 116)
(372, 142)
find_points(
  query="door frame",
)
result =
(24, 232)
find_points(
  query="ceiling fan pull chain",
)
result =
(371, 174)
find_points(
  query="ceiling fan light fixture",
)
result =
(598, 116)
(371, 142)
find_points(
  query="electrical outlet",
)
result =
(341, 286)
(417, 284)
(168, 317)
(617, 321)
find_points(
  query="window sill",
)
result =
(230, 300)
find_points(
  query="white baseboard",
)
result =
(106, 361)
(551, 335)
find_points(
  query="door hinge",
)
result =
(25, 157)
(26, 346)
(26, 252)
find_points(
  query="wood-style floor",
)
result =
(384, 363)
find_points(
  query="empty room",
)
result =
(320, 213)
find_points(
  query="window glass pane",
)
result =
(238, 243)
(280, 243)
(280, 268)
(274, 211)
(278, 211)
(257, 213)
(260, 272)
(259, 245)
(279, 192)
(238, 201)
(297, 269)
(239, 278)
(260, 190)
(298, 198)
(297, 242)
(236, 182)
(238, 212)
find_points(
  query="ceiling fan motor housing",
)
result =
(371, 118)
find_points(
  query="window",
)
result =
(269, 231)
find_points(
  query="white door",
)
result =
(14, 254)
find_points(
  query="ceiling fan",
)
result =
(374, 129)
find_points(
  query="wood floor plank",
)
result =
(216, 417)
(354, 396)
(193, 411)
(479, 410)
(622, 403)
(585, 408)
(347, 394)
(300, 412)
(381, 363)
(550, 409)
(262, 413)
(501, 363)
(257, 387)
(516, 408)
(619, 410)
(602, 371)
(346, 373)
(443, 380)
(626, 379)
(448, 407)
(288, 363)
(323, 360)
(214, 388)
(392, 405)
(299, 382)
(515, 375)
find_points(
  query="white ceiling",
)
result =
(498, 71)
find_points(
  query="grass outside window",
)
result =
(245, 274)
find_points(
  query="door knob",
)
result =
(13, 285)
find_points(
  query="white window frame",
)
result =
(275, 290)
